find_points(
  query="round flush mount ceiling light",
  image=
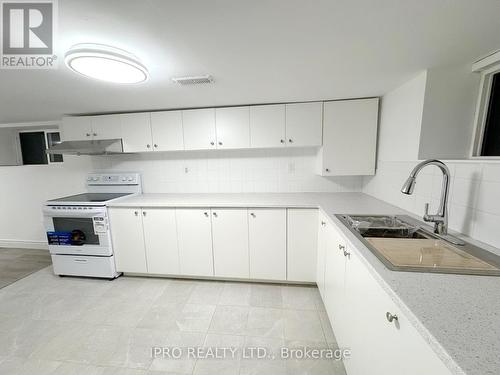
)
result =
(105, 63)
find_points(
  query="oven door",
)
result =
(77, 230)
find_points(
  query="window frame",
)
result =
(45, 132)
(482, 112)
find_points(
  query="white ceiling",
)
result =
(258, 51)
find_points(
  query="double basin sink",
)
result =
(402, 243)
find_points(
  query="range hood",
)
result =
(95, 147)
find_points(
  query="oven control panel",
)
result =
(113, 179)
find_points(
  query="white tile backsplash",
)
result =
(474, 203)
(235, 171)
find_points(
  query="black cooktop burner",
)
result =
(90, 197)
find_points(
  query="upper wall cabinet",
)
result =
(106, 127)
(76, 128)
(233, 127)
(91, 127)
(199, 129)
(304, 124)
(136, 132)
(349, 138)
(267, 126)
(166, 128)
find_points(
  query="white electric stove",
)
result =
(77, 226)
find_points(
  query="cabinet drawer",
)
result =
(84, 266)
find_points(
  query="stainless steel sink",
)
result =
(405, 244)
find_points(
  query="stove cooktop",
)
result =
(88, 198)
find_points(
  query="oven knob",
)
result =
(131, 179)
(124, 178)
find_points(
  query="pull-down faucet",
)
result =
(440, 219)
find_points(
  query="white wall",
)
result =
(23, 190)
(8, 147)
(401, 116)
(474, 207)
(448, 116)
(235, 171)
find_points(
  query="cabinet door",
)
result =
(128, 240)
(233, 127)
(160, 237)
(302, 240)
(199, 129)
(136, 132)
(267, 126)
(322, 245)
(304, 122)
(106, 127)
(167, 131)
(349, 138)
(76, 128)
(230, 242)
(381, 347)
(267, 243)
(195, 242)
(334, 299)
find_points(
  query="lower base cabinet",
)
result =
(194, 233)
(230, 242)
(359, 310)
(128, 240)
(262, 243)
(267, 243)
(160, 240)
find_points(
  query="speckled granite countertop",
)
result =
(458, 315)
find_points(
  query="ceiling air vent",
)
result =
(195, 80)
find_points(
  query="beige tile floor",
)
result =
(18, 263)
(52, 325)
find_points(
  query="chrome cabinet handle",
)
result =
(323, 223)
(143, 213)
(148, 146)
(252, 214)
(205, 213)
(94, 134)
(282, 141)
(214, 213)
(347, 254)
(391, 317)
(341, 247)
(136, 213)
(290, 140)
(212, 143)
(327, 170)
(88, 134)
(155, 145)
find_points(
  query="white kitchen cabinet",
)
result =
(160, 239)
(323, 226)
(380, 347)
(136, 132)
(233, 127)
(302, 240)
(230, 242)
(76, 128)
(304, 123)
(349, 138)
(199, 129)
(166, 129)
(267, 243)
(336, 253)
(267, 126)
(128, 239)
(195, 242)
(106, 127)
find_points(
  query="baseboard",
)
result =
(20, 244)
